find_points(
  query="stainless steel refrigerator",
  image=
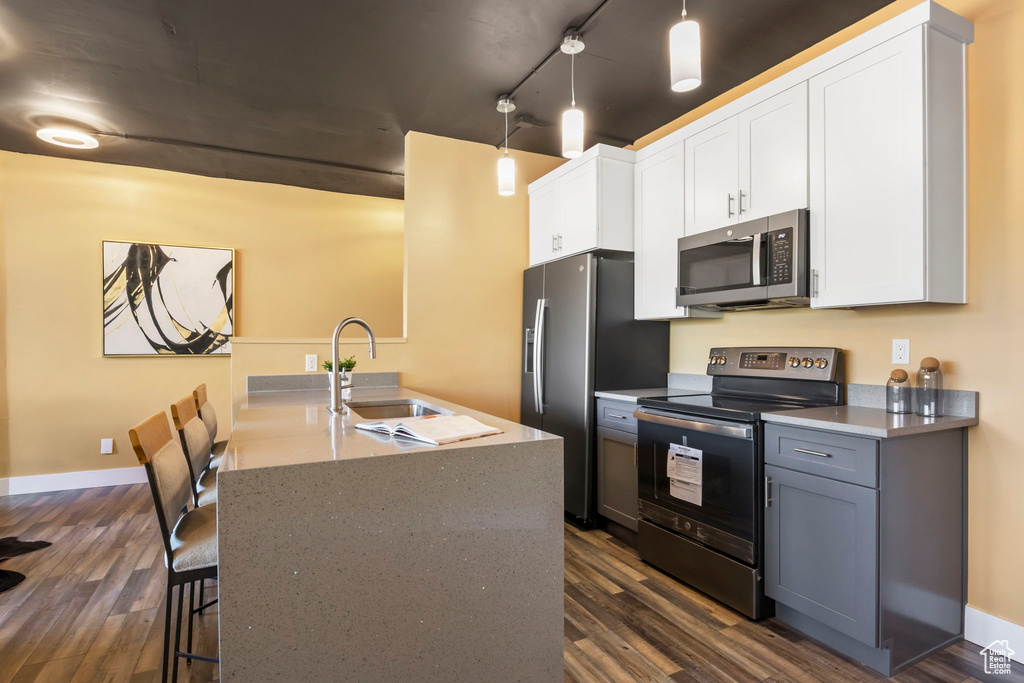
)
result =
(579, 337)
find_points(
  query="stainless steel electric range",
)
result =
(701, 467)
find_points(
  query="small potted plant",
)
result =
(345, 367)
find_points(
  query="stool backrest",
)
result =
(195, 439)
(166, 469)
(205, 409)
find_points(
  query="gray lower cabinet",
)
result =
(616, 476)
(821, 557)
(865, 540)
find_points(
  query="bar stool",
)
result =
(190, 538)
(209, 418)
(195, 442)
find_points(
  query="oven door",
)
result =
(724, 266)
(711, 494)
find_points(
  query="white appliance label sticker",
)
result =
(685, 470)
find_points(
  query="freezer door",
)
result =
(533, 292)
(570, 287)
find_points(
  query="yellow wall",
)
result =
(973, 340)
(466, 248)
(302, 256)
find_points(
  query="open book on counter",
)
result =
(433, 429)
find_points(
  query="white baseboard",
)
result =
(981, 628)
(65, 481)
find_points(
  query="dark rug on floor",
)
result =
(9, 580)
(12, 547)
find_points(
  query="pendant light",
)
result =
(506, 164)
(572, 119)
(684, 51)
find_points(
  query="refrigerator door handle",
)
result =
(538, 357)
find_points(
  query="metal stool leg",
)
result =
(202, 594)
(167, 631)
(191, 611)
(177, 635)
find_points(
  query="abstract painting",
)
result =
(164, 300)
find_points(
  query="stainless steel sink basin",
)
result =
(400, 408)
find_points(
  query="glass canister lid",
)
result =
(898, 376)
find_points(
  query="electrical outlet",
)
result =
(106, 446)
(311, 363)
(901, 351)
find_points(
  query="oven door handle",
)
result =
(733, 431)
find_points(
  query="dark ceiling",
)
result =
(300, 92)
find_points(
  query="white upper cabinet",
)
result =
(580, 209)
(773, 155)
(545, 217)
(750, 165)
(583, 205)
(712, 177)
(887, 174)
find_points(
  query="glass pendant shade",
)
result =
(506, 176)
(684, 48)
(572, 133)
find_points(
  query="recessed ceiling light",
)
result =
(67, 138)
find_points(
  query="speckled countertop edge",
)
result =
(867, 421)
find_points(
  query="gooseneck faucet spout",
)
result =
(336, 385)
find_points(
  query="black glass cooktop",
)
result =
(724, 406)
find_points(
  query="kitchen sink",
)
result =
(401, 408)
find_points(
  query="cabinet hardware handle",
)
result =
(554, 243)
(767, 492)
(617, 416)
(820, 455)
(635, 457)
(559, 241)
(742, 195)
(729, 205)
(814, 282)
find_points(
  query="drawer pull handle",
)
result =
(820, 455)
(617, 416)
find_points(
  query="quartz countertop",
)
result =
(276, 428)
(631, 395)
(863, 421)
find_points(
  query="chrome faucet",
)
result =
(336, 385)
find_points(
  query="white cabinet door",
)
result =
(773, 155)
(545, 223)
(658, 224)
(712, 177)
(579, 210)
(867, 177)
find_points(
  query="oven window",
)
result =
(716, 267)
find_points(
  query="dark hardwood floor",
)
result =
(91, 609)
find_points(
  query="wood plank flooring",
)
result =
(91, 609)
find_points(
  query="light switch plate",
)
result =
(311, 363)
(901, 352)
(106, 446)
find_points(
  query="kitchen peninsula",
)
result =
(346, 555)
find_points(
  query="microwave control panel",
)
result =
(780, 257)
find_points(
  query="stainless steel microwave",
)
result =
(758, 264)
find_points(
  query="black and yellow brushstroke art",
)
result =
(134, 291)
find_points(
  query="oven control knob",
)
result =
(712, 360)
(821, 363)
(808, 362)
(794, 362)
(721, 360)
(686, 525)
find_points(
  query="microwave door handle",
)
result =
(755, 260)
(538, 357)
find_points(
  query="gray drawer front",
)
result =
(837, 456)
(616, 415)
